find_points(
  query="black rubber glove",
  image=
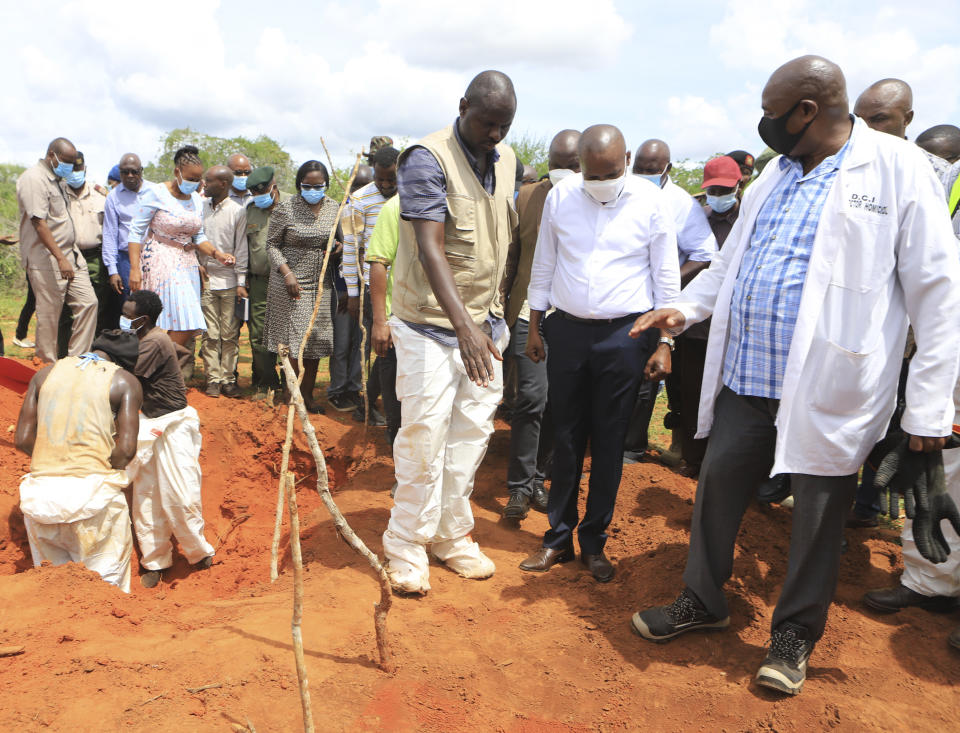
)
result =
(936, 506)
(898, 473)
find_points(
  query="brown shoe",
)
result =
(545, 558)
(602, 569)
(212, 390)
(230, 389)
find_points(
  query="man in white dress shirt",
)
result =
(606, 253)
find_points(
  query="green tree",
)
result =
(11, 273)
(688, 175)
(216, 150)
(531, 150)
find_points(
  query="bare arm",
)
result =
(475, 346)
(26, 434)
(126, 397)
(380, 338)
(47, 240)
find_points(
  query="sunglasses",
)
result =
(131, 171)
(313, 187)
(242, 173)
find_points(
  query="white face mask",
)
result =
(603, 192)
(722, 204)
(558, 174)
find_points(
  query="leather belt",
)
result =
(598, 321)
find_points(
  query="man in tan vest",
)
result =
(525, 473)
(456, 191)
(72, 500)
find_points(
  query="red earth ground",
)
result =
(518, 653)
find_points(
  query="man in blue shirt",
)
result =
(841, 240)
(120, 208)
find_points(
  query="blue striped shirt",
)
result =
(766, 296)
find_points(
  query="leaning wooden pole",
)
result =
(285, 460)
(382, 608)
(297, 619)
(364, 360)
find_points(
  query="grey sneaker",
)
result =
(664, 623)
(785, 668)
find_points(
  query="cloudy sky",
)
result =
(114, 76)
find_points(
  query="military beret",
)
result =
(380, 141)
(259, 176)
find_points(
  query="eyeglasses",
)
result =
(313, 187)
(131, 171)
(242, 173)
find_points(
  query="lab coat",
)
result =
(884, 252)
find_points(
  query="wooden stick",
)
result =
(11, 651)
(297, 618)
(382, 608)
(195, 690)
(333, 170)
(281, 496)
(364, 360)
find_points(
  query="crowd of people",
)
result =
(801, 314)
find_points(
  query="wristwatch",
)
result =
(669, 342)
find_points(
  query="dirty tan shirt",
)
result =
(86, 209)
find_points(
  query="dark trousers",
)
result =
(593, 372)
(526, 416)
(688, 363)
(26, 313)
(110, 312)
(739, 456)
(264, 362)
(345, 368)
(373, 378)
(637, 439)
(387, 369)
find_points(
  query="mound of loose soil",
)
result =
(519, 653)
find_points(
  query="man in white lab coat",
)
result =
(839, 242)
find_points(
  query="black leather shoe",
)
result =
(518, 506)
(545, 558)
(855, 522)
(539, 499)
(891, 600)
(600, 566)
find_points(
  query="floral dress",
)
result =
(298, 238)
(165, 225)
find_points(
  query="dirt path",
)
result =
(518, 653)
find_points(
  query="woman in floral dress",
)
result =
(164, 238)
(296, 242)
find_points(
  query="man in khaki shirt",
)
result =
(85, 202)
(48, 250)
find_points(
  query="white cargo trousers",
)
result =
(446, 425)
(919, 574)
(166, 489)
(81, 519)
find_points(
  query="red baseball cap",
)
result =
(723, 171)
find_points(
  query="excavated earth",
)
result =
(518, 653)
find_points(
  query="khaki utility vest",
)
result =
(75, 424)
(477, 235)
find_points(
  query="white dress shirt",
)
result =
(694, 236)
(605, 260)
(226, 227)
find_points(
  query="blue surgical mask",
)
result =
(312, 196)
(75, 179)
(187, 187)
(722, 204)
(240, 183)
(263, 200)
(654, 178)
(62, 169)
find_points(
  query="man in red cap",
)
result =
(721, 181)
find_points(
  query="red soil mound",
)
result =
(519, 653)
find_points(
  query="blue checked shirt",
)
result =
(766, 296)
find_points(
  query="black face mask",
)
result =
(773, 131)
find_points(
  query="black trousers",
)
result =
(593, 371)
(688, 364)
(526, 418)
(386, 369)
(739, 457)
